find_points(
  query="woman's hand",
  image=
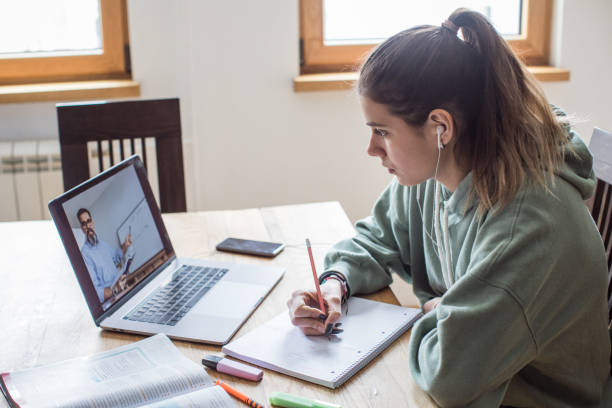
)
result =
(305, 313)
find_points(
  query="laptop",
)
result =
(132, 279)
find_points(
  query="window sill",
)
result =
(68, 91)
(337, 81)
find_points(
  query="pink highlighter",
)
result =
(231, 367)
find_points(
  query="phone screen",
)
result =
(248, 246)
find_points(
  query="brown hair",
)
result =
(507, 133)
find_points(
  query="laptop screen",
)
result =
(110, 226)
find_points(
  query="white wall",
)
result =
(256, 142)
(251, 141)
(583, 35)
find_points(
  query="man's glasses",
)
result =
(85, 222)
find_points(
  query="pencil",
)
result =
(235, 393)
(316, 278)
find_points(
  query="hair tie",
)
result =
(450, 26)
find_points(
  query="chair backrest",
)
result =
(601, 202)
(131, 123)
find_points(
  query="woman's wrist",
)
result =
(342, 282)
(431, 304)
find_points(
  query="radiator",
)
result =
(31, 175)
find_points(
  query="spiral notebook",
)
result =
(369, 328)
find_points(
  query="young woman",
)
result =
(485, 218)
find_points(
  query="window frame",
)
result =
(113, 63)
(532, 45)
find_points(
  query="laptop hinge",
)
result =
(135, 290)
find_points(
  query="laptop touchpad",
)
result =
(230, 299)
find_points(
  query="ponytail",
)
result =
(507, 133)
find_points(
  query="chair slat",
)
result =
(100, 154)
(597, 200)
(144, 152)
(110, 152)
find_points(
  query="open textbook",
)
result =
(369, 328)
(148, 373)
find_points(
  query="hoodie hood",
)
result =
(577, 170)
(578, 167)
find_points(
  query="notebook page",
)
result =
(369, 327)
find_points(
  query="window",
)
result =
(62, 40)
(337, 34)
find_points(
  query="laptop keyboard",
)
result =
(168, 304)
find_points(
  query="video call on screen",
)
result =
(115, 232)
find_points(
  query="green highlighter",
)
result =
(282, 399)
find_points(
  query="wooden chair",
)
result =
(124, 121)
(601, 202)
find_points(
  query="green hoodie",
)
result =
(523, 318)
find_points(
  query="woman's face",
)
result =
(406, 151)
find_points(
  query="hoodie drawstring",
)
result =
(447, 248)
(444, 251)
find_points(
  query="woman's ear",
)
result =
(441, 123)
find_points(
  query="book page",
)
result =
(212, 397)
(133, 375)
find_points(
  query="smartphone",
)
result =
(251, 247)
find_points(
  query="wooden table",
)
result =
(44, 317)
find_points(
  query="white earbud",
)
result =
(439, 130)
